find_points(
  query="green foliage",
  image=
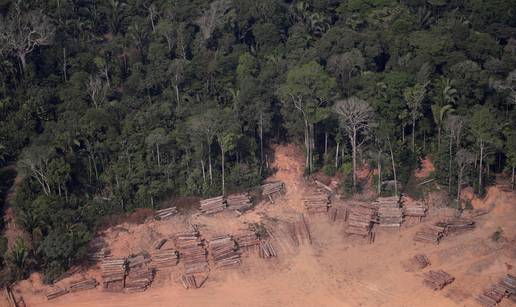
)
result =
(497, 235)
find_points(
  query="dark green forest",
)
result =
(111, 105)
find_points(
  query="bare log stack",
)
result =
(55, 292)
(138, 260)
(456, 226)
(430, 234)
(164, 258)
(494, 295)
(99, 255)
(267, 249)
(224, 252)
(269, 189)
(246, 239)
(437, 280)
(360, 220)
(415, 211)
(113, 271)
(82, 285)
(317, 203)
(239, 202)
(418, 262)
(389, 212)
(192, 252)
(213, 205)
(139, 279)
(167, 213)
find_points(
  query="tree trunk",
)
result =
(23, 60)
(177, 94)
(459, 183)
(312, 146)
(223, 179)
(353, 145)
(325, 144)
(157, 154)
(450, 164)
(393, 168)
(209, 164)
(512, 179)
(64, 65)
(379, 172)
(307, 145)
(203, 172)
(438, 139)
(413, 134)
(403, 133)
(337, 156)
(480, 166)
(261, 142)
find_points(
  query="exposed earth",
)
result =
(335, 270)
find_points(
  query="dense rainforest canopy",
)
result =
(111, 105)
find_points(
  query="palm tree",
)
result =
(446, 97)
(18, 258)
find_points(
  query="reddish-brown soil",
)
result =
(427, 167)
(334, 271)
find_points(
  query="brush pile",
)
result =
(113, 272)
(389, 212)
(430, 234)
(224, 251)
(239, 202)
(84, 284)
(269, 189)
(437, 280)
(167, 213)
(213, 205)
(317, 203)
(191, 251)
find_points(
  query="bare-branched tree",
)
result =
(21, 32)
(356, 118)
(463, 158)
(213, 17)
(97, 89)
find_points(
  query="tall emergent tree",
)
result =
(356, 117)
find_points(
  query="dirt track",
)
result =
(334, 271)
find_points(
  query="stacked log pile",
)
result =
(389, 212)
(317, 203)
(138, 260)
(360, 220)
(239, 202)
(437, 280)
(113, 271)
(430, 234)
(139, 279)
(267, 249)
(456, 226)
(55, 292)
(246, 239)
(213, 205)
(269, 189)
(82, 285)
(224, 252)
(193, 282)
(192, 252)
(167, 213)
(164, 258)
(414, 211)
(418, 262)
(300, 232)
(494, 295)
